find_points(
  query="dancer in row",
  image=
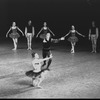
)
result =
(47, 38)
(72, 39)
(93, 36)
(38, 73)
(29, 33)
(44, 30)
(14, 35)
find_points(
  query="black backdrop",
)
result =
(59, 15)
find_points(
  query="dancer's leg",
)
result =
(16, 42)
(30, 42)
(15, 45)
(72, 44)
(95, 45)
(49, 61)
(44, 55)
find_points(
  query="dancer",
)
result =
(93, 35)
(14, 35)
(44, 30)
(38, 73)
(29, 33)
(46, 50)
(73, 39)
(47, 39)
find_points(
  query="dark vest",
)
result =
(29, 29)
(93, 30)
(47, 44)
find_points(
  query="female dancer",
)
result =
(44, 30)
(73, 39)
(29, 33)
(93, 35)
(14, 35)
(38, 73)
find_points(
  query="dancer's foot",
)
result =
(38, 86)
(92, 51)
(14, 49)
(30, 48)
(27, 48)
(95, 51)
(72, 51)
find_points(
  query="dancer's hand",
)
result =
(62, 38)
(51, 56)
(23, 34)
(6, 35)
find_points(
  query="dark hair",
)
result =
(33, 54)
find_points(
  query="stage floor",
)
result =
(71, 75)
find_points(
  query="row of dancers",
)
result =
(41, 66)
(30, 33)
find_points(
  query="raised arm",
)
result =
(51, 31)
(46, 58)
(39, 32)
(20, 31)
(79, 33)
(8, 32)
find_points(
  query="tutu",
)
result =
(42, 36)
(14, 35)
(73, 39)
(31, 74)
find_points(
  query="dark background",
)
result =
(59, 15)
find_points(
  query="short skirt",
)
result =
(73, 39)
(32, 74)
(14, 35)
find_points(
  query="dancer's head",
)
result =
(45, 24)
(73, 27)
(93, 23)
(35, 55)
(48, 35)
(29, 22)
(13, 23)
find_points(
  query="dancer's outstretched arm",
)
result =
(51, 32)
(41, 60)
(25, 31)
(89, 33)
(20, 31)
(39, 32)
(8, 32)
(79, 34)
(67, 34)
(97, 32)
